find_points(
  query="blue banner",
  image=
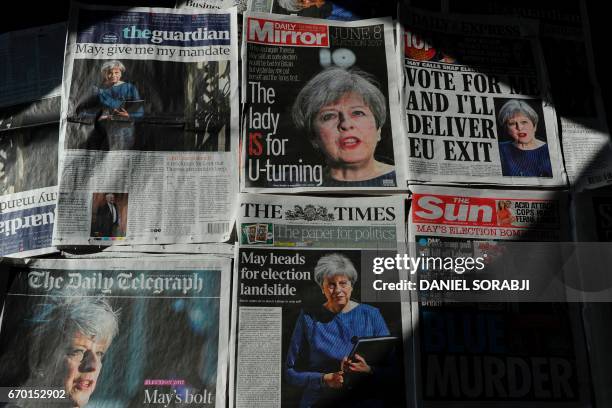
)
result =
(182, 30)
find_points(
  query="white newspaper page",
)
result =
(567, 49)
(149, 127)
(477, 103)
(303, 300)
(489, 353)
(321, 111)
(124, 332)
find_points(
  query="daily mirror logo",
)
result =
(261, 31)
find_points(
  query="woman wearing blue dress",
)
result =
(323, 338)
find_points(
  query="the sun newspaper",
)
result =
(507, 353)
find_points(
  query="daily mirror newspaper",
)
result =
(30, 85)
(299, 306)
(320, 105)
(518, 354)
(566, 46)
(149, 127)
(121, 333)
(477, 102)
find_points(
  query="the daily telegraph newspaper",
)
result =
(321, 110)
(340, 10)
(501, 354)
(121, 333)
(29, 130)
(149, 127)
(477, 103)
(566, 46)
(299, 307)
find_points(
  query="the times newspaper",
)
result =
(149, 131)
(121, 333)
(287, 341)
(504, 354)
(339, 10)
(320, 105)
(29, 130)
(566, 46)
(477, 102)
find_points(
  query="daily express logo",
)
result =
(272, 32)
(159, 36)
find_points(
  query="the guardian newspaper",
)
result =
(320, 105)
(149, 127)
(477, 102)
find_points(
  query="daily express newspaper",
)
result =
(320, 101)
(149, 127)
(567, 49)
(477, 103)
(121, 333)
(502, 354)
(287, 343)
(30, 84)
(340, 10)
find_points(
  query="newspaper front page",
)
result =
(320, 105)
(299, 260)
(29, 130)
(121, 333)
(567, 49)
(149, 127)
(339, 10)
(519, 354)
(477, 103)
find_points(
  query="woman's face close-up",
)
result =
(82, 365)
(337, 290)
(521, 129)
(113, 76)
(346, 132)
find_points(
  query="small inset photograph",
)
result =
(523, 151)
(109, 215)
(505, 213)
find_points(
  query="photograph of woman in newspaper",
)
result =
(342, 112)
(121, 105)
(317, 359)
(524, 155)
